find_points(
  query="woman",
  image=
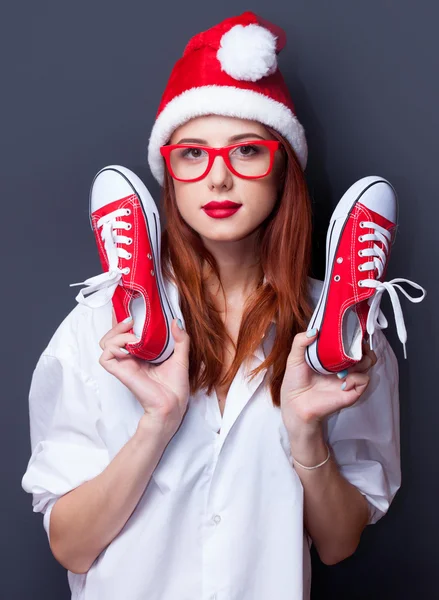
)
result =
(210, 475)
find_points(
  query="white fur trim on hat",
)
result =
(248, 53)
(230, 102)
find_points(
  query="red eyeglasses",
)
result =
(249, 160)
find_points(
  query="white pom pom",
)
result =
(248, 52)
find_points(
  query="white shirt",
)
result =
(222, 516)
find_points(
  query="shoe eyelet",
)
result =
(362, 224)
(360, 267)
(339, 260)
(126, 270)
(128, 211)
(129, 241)
(129, 255)
(337, 278)
(360, 252)
(129, 226)
(152, 272)
(360, 283)
(360, 238)
(149, 255)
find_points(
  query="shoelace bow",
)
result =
(100, 288)
(376, 318)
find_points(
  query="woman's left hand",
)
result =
(308, 397)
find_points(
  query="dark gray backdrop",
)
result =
(81, 86)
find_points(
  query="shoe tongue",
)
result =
(368, 214)
(352, 334)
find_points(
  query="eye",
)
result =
(193, 153)
(247, 150)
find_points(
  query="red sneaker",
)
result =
(126, 224)
(358, 243)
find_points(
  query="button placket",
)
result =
(213, 536)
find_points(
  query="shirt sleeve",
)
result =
(365, 437)
(65, 423)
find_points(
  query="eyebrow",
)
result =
(234, 138)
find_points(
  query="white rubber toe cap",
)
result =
(109, 185)
(380, 197)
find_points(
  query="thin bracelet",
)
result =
(316, 466)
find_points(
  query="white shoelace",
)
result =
(103, 286)
(376, 318)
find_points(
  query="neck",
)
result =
(239, 268)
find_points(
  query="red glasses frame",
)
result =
(272, 145)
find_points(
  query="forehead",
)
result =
(217, 129)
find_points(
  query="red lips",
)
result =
(225, 204)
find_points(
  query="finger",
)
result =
(363, 366)
(111, 357)
(352, 389)
(300, 343)
(125, 325)
(367, 350)
(371, 354)
(121, 340)
(367, 362)
(356, 382)
(118, 328)
(181, 345)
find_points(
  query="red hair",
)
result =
(285, 255)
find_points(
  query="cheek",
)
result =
(268, 206)
(263, 196)
(188, 201)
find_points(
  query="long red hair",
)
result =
(284, 239)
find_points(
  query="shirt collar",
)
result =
(266, 344)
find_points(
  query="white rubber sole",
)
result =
(137, 306)
(335, 230)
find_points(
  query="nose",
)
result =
(219, 174)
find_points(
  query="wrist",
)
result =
(308, 445)
(149, 429)
(301, 432)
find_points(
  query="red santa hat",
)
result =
(231, 70)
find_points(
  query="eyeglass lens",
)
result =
(249, 160)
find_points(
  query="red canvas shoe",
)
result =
(358, 243)
(126, 224)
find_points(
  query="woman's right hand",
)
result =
(163, 389)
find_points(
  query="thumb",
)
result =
(181, 339)
(300, 343)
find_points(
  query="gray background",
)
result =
(80, 90)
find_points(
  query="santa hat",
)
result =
(231, 70)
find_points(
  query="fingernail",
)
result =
(343, 385)
(180, 324)
(311, 333)
(124, 350)
(127, 319)
(343, 374)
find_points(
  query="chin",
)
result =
(226, 236)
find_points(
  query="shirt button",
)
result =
(217, 519)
